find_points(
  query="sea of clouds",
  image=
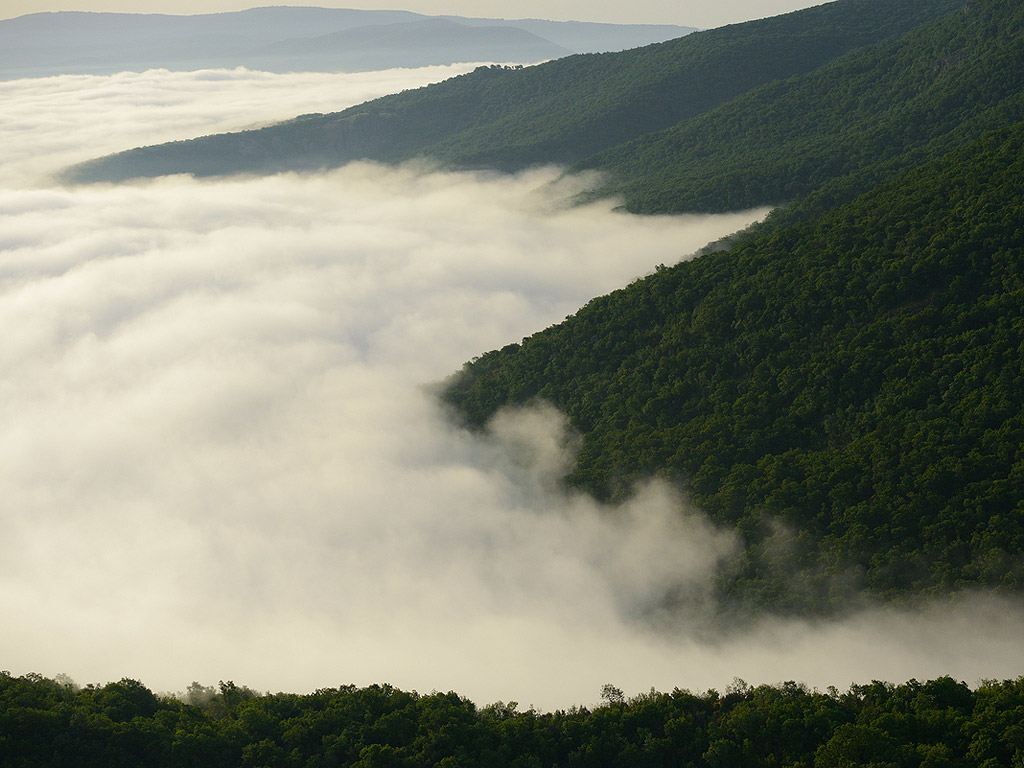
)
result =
(221, 458)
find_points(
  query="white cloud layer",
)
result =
(220, 460)
(49, 123)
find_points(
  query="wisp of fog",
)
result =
(221, 458)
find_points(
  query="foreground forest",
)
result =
(941, 723)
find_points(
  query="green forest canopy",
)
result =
(559, 112)
(842, 386)
(939, 723)
(856, 378)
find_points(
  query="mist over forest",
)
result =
(326, 394)
(223, 458)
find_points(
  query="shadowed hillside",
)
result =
(560, 112)
(844, 393)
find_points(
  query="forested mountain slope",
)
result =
(559, 112)
(937, 723)
(840, 129)
(845, 393)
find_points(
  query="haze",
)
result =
(694, 13)
(222, 459)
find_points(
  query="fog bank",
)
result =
(221, 459)
(50, 123)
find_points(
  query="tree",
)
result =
(611, 694)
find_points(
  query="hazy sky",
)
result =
(221, 459)
(692, 13)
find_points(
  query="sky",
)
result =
(222, 458)
(689, 13)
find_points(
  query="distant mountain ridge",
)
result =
(409, 44)
(284, 38)
(563, 111)
(587, 36)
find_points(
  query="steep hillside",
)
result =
(840, 387)
(840, 129)
(560, 112)
(845, 393)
